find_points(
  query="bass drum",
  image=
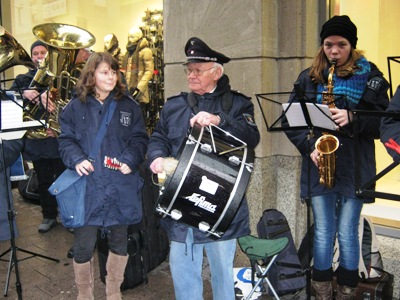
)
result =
(209, 182)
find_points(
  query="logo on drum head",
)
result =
(200, 201)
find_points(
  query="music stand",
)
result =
(16, 130)
(305, 114)
(389, 59)
(367, 189)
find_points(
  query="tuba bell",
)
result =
(64, 42)
(12, 53)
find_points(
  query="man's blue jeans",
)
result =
(186, 261)
(336, 213)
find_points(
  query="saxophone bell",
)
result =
(326, 145)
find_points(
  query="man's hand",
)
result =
(205, 119)
(50, 133)
(157, 166)
(47, 102)
(31, 95)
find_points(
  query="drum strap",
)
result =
(227, 100)
(191, 99)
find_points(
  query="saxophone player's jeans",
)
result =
(336, 213)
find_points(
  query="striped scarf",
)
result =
(351, 87)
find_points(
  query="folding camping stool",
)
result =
(266, 250)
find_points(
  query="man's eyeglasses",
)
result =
(196, 72)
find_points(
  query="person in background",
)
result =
(138, 65)
(337, 209)
(390, 127)
(111, 45)
(211, 90)
(81, 57)
(112, 200)
(43, 152)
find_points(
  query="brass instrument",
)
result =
(55, 71)
(12, 53)
(327, 144)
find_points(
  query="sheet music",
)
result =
(319, 117)
(12, 135)
(12, 116)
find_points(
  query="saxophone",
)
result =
(327, 144)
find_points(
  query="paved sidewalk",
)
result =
(45, 279)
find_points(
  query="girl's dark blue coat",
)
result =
(111, 197)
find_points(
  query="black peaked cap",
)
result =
(198, 51)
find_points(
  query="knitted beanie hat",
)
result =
(38, 43)
(342, 26)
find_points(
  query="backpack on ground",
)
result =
(286, 275)
(371, 264)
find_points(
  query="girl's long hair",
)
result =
(320, 64)
(86, 82)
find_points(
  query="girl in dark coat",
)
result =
(113, 191)
(337, 208)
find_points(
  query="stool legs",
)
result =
(263, 277)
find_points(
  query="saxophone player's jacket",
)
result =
(374, 98)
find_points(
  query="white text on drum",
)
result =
(201, 202)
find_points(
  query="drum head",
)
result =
(208, 186)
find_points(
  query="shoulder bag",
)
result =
(70, 188)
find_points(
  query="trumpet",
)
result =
(327, 144)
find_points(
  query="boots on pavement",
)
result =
(115, 275)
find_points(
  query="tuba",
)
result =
(12, 53)
(55, 71)
(327, 144)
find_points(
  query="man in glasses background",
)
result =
(211, 101)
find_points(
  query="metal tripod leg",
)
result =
(13, 261)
